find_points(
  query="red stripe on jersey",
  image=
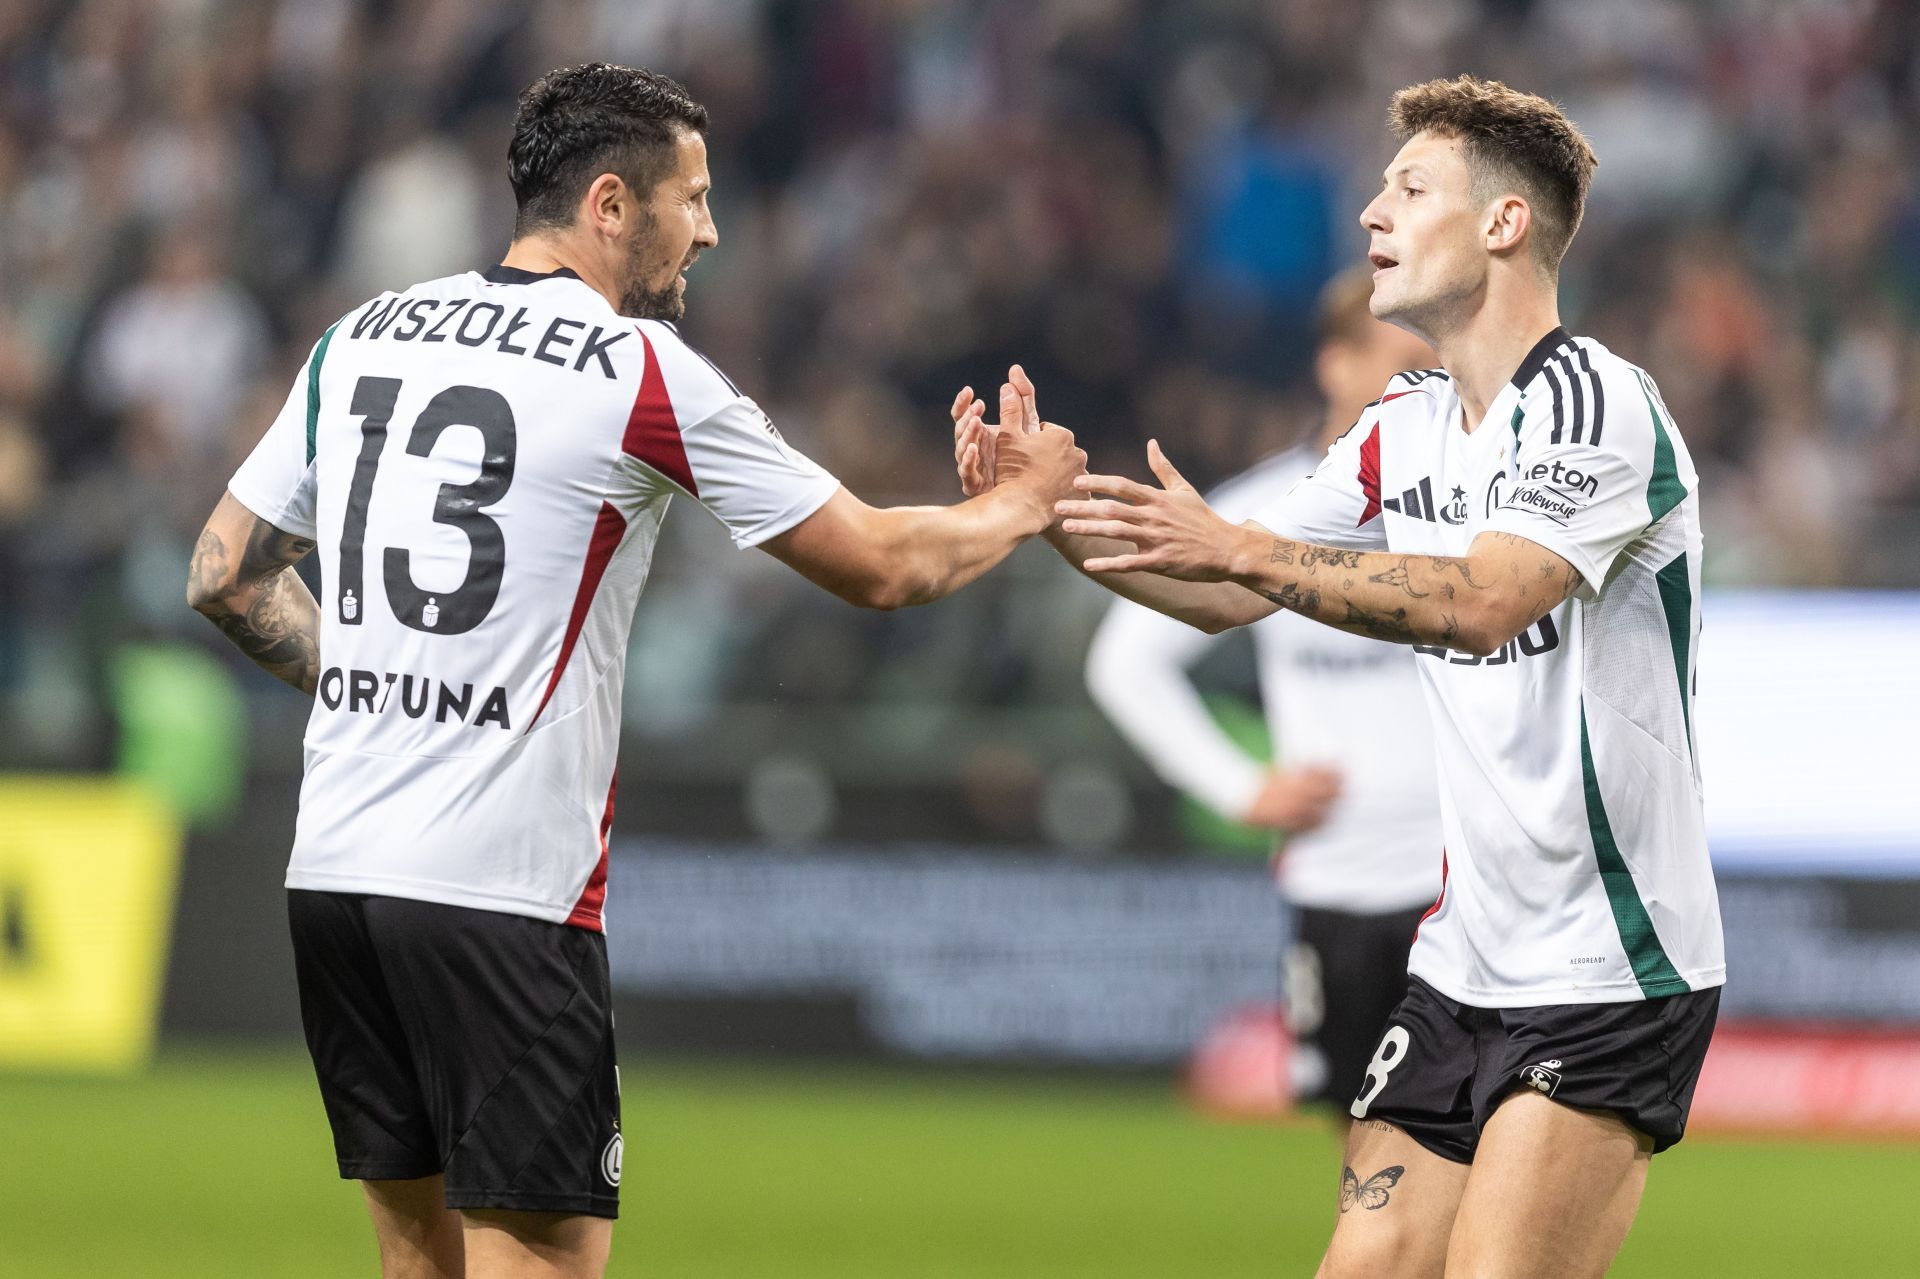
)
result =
(1428, 914)
(1370, 470)
(586, 911)
(653, 432)
(608, 529)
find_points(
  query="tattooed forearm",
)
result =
(279, 630)
(1474, 603)
(1397, 576)
(266, 611)
(1292, 597)
(1311, 555)
(1387, 625)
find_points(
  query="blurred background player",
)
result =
(449, 866)
(1356, 808)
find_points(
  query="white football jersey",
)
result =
(484, 462)
(1576, 863)
(1343, 701)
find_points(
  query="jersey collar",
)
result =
(1543, 350)
(514, 275)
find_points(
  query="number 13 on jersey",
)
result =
(463, 506)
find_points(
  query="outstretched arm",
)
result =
(892, 557)
(240, 581)
(1209, 606)
(1474, 603)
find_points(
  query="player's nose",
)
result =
(1374, 216)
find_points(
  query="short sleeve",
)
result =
(276, 482)
(755, 482)
(1586, 486)
(692, 425)
(1339, 504)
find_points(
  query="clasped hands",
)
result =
(1172, 531)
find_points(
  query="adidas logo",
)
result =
(1418, 503)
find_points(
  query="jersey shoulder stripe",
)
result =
(653, 431)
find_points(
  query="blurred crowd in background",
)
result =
(1137, 199)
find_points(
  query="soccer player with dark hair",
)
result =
(1564, 985)
(483, 462)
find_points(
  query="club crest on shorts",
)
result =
(610, 1159)
(1544, 1076)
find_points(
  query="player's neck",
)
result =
(1482, 354)
(543, 254)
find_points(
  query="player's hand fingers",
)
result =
(974, 412)
(1169, 477)
(1013, 415)
(1029, 398)
(960, 404)
(1101, 528)
(1120, 564)
(1118, 485)
(973, 480)
(970, 430)
(1097, 510)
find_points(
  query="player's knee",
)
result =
(1383, 1248)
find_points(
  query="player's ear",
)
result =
(1508, 221)
(608, 204)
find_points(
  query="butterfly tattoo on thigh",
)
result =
(1370, 1194)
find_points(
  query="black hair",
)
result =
(576, 123)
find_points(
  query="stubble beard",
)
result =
(640, 302)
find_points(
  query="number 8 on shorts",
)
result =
(1391, 1052)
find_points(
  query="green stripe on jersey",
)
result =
(1651, 967)
(1664, 489)
(313, 389)
(1519, 414)
(1676, 600)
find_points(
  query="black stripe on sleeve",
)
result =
(1599, 397)
(1559, 409)
(1579, 397)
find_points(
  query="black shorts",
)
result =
(1344, 975)
(464, 1042)
(1441, 1066)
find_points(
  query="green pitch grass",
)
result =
(216, 1164)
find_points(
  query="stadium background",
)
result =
(912, 952)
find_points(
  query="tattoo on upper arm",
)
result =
(1370, 1194)
(1282, 552)
(1399, 576)
(277, 623)
(1451, 631)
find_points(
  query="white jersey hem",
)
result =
(1541, 996)
(428, 891)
